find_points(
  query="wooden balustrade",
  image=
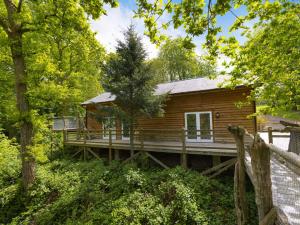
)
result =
(141, 134)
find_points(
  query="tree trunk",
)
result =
(131, 137)
(26, 127)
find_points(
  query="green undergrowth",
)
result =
(76, 192)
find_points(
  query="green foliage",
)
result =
(269, 61)
(10, 163)
(61, 55)
(127, 76)
(178, 62)
(68, 192)
(200, 17)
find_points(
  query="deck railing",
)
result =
(153, 135)
(153, 140)
(275, 133)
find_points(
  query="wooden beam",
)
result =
(93, 153)
(157, 161)
(270, 135)
(216, 160)
(222, 170)
(240, 174)
(260, 162)
(288, 156)
(110, 147)
(183, 153)
(117, 154)
(131, 157)
(270, 218)
(221, 165)
(76, 153)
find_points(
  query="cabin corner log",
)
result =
(260, 162)
(240, 174)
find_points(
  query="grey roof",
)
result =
(183, 86)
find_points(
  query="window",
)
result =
(198, 126)
(109, 123)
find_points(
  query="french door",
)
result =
(109, 123)
(198, 126)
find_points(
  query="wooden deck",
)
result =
(199, 148)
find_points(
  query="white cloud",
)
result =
(110, 29)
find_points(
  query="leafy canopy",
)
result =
(178, 62)
(61, 54)
(269, 61)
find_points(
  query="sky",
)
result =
(109, 28)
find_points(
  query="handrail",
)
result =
(288, 156)
(166, 134)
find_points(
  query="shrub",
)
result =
(68, 192)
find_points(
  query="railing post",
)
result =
(183, 154)
(239, 175)
(110, 147)
(261, 167)
(142, 139)
(270, 135)
(116, 151)
(84, 145)
(65, 135)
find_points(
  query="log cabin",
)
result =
(196, 115)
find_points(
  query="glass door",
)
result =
(109, 123)
(198, 126)
(191, 126)
(206, 133)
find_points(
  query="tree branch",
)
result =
(10, 8)
(19, 6)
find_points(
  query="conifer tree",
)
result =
(127, 77)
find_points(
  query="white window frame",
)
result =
(198, 122)
(124, 138)
(113, 136)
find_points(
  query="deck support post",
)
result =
(143, 153)
(117, 154)
(239, 175)
(65, 135)
(270, 136)
(142, 139)
(110, 147)
(183, 154)
(84, 146)
(261, 167)
(216, 160)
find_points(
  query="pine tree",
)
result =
(127, 77)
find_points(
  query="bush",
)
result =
(68, 192)
(10, 163)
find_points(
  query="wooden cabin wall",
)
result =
(221, 101)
